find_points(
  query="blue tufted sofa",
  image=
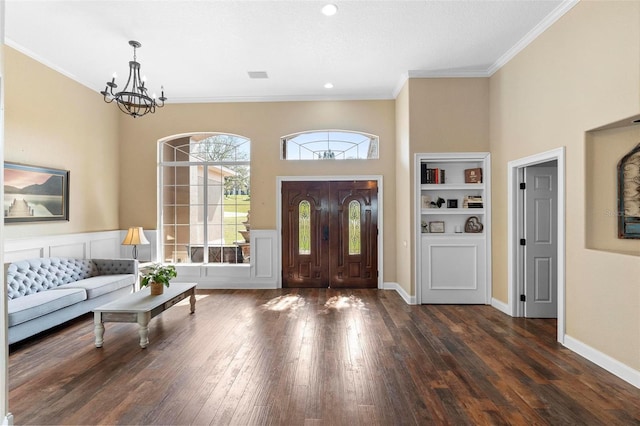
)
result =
(45, 292)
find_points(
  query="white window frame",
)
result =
(160, 188)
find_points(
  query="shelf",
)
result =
(453, 234)
(453, 267)
(450, 186)
(471, 212)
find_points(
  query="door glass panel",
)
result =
(354, 228)
(304, 227)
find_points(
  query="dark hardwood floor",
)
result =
(298, 357)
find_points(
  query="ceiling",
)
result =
(202, 51)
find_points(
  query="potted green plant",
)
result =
(157, 276)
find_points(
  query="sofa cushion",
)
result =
(31, 276)
(36, 305)
(116, 266)
(102, 284)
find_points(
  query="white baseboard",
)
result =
(612, 365)
(8, 420)
(410, 300)
(501, 306)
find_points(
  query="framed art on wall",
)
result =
(35, 194)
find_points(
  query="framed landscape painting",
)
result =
(35, 194)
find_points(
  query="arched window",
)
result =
(330, 145)
(205, 199)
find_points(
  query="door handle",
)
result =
(325, 233)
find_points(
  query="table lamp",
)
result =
(135, 236)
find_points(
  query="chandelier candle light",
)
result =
(133, 99)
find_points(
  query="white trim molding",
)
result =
(612, 365)
(501, 306)
(259, 273)
(409, 300)
(513, 168)
(95, 245)
(549, 20)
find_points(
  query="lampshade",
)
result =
(135, 236)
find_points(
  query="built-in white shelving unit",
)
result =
(453, 261)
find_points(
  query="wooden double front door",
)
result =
(330, 234)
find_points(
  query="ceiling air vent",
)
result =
(257, 74)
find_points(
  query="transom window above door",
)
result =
(330, 145)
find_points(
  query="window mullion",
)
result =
(205, 213)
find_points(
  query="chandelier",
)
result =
(133, 99)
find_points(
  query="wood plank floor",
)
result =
(307, 357)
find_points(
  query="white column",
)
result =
(5, 416)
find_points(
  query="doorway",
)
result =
(516, 225)
(329, 234)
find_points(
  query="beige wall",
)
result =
(264, 123)
(580, 74)
(445, 115)
(52, 121)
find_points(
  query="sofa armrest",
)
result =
(116, 266)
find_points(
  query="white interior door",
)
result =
(541, 247)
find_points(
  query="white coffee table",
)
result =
(140, 307)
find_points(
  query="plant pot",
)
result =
(156, 289)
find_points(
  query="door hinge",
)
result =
(523, 298)
(523, 185)
(523, 242)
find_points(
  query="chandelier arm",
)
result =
(132, 73)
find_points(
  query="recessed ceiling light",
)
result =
(329, 9)
(328, 85)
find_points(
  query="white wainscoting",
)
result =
(95, 245)
(261, 272)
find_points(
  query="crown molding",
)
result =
(549, 20)
(46, 63)
(404, 77)
(282, 98)
(451, 73)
